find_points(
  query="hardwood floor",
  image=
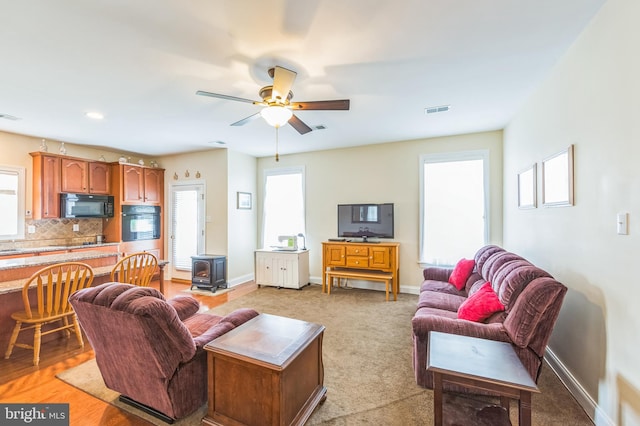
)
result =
(21, 382)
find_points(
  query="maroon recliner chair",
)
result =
(149, 349)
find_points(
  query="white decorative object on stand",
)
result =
(43, 146)
(122, 159)
(63, 150)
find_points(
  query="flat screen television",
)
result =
(365, 221)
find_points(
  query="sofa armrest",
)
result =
(423, 322)
(437, 274)
(185, 306)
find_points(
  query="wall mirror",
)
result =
(557, 179)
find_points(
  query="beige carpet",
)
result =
(367, 360)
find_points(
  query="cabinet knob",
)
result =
(357, 262)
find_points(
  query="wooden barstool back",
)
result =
(136, 269)
(53, 286)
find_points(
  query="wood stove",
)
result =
(209, 271)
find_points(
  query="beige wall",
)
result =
(591, 100)
(212, 168)
(381, 173)
(242, 224)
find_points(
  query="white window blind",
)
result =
(12, 202)
(185, 227)
(454, 206)
(283, 209)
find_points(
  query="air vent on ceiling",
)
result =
(435, 109)
(320, 127)
(9, 117)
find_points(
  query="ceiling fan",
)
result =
(276, 99)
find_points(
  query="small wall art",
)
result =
(557, 179)
(527, 188)
(244, 200)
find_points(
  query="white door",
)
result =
(187, 227)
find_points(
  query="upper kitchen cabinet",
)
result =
(80, 176)
(141, 184)
(46, 186)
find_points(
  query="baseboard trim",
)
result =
(588, 404)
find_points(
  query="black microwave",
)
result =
(86, 205)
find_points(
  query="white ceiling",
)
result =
(140, 62)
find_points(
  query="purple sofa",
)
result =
(531, 297)
(150, 349)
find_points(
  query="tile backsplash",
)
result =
(57, 232)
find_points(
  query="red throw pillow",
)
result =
(461, 273)
(481, 305)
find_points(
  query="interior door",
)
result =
(187, 227)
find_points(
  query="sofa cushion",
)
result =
(481, 305)
(461, 273)
(484, 253)
(496, 262)
(439, 300)
(509, 282)
(440, 287)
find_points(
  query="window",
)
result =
(12, 202)
(283, 210)
(454, 206)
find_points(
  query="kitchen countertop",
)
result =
(17, 285)
(44, 249)
(50, 259)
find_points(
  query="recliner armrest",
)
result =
(214, 332)
(185, 306)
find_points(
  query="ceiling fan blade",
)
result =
(299, 125)
(246, 120)
(282, 82)
(230, 98)
(342, 104)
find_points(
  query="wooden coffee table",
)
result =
(268, 371)
(479, 364)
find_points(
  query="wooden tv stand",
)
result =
(363, 257)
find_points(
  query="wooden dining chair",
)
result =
(136, 269)
(53, 285)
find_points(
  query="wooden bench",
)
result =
(385, 277)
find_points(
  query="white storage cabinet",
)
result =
(288, 269)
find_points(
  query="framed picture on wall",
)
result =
(244, 200)
(557, 179)
(527, 188)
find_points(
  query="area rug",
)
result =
(367, 361)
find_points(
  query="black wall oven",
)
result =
(140, 223)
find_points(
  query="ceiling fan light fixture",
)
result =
(276, 116)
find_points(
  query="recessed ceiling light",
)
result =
(94, 115)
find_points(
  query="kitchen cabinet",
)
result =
(142, 184)
(99, 178)
(81, 176)
(289, 269)
(46, 186)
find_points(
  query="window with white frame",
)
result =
(454, 206)
(283, 209)
(12, 194)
